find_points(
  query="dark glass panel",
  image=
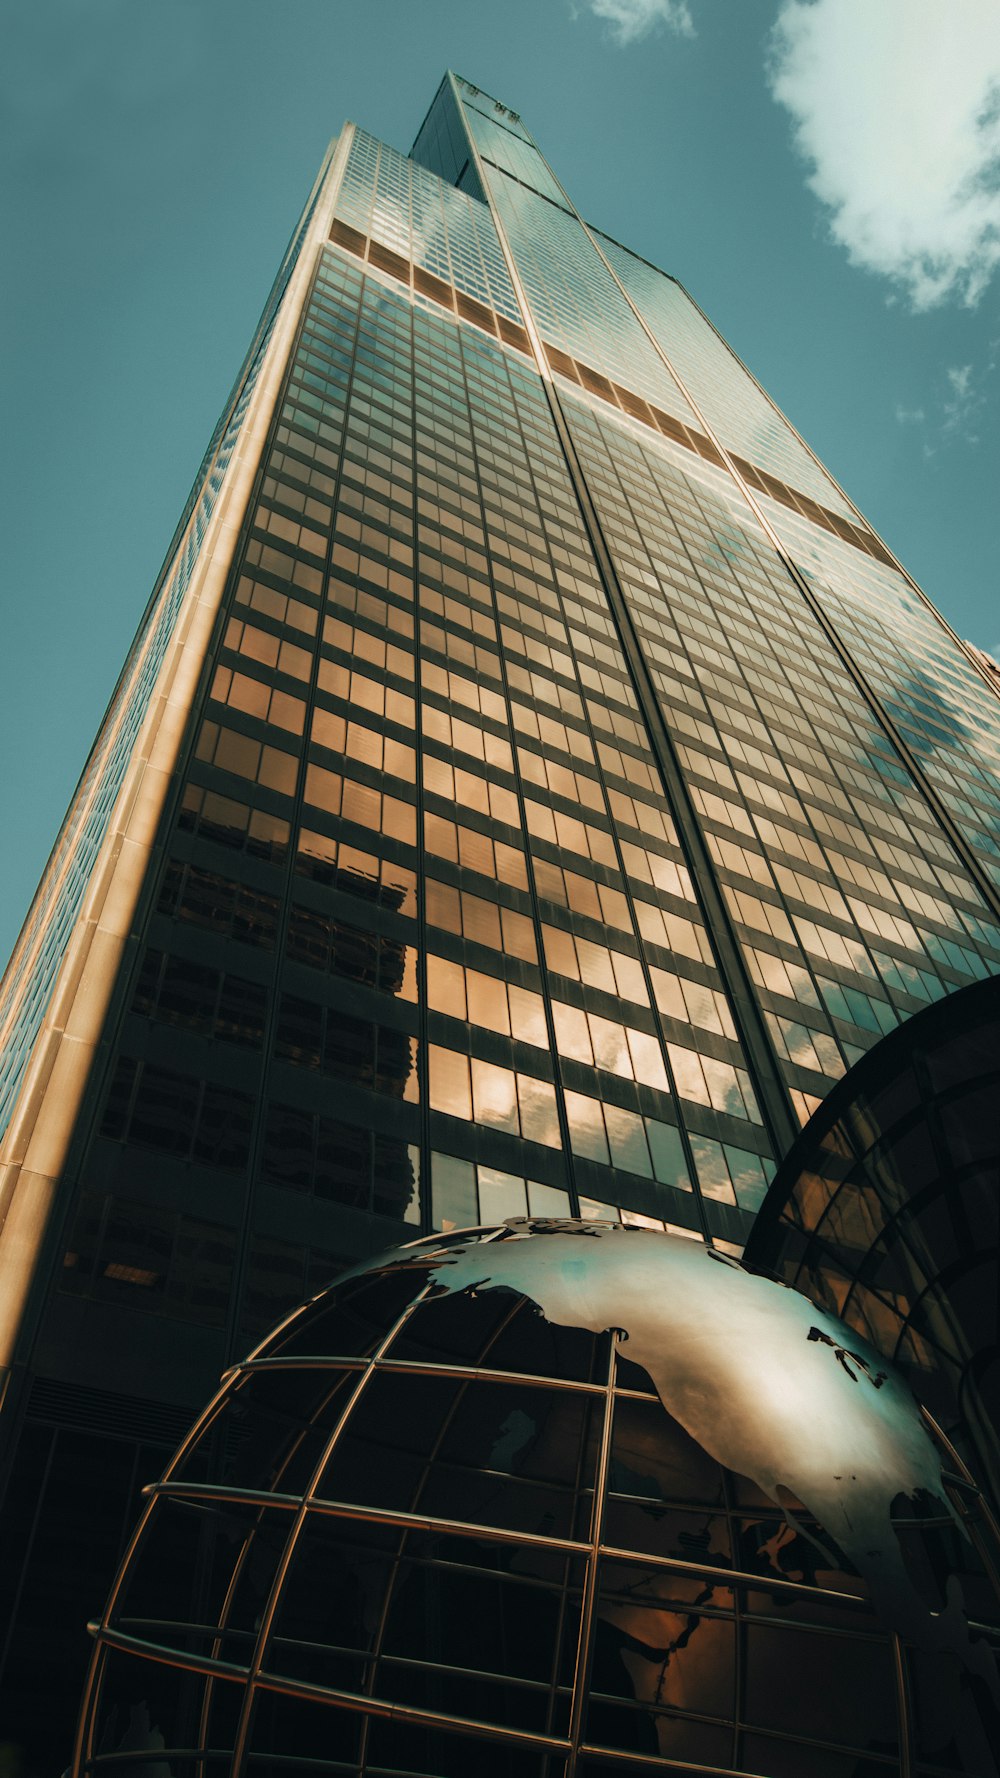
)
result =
(147, 984)
(241, 1012)
(201, 1272)
(119, 1096)
(208, 900)
(288, 1136)
(299, 1034)
(395, 1181)
(343, 1163)
(223, 1135)
(308, 937)
(188, 994)
(165, 1110)
(396, 1062)
(349, 1049)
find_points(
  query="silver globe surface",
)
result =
(553, 1498)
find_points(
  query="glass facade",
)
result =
(571, 789)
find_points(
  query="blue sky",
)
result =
(823, 175)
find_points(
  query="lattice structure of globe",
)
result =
(552, 1499)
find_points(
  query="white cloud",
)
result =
(963, 404)
(631, 20)
(953, 412)
(896, 107)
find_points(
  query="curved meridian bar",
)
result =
(886, 1210)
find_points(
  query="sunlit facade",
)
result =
(532, 786)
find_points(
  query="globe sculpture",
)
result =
(553, 1498)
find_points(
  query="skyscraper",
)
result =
(532, 785)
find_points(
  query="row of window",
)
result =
(178, 1114)
(495, 1097)
(218, 904)
(359, 954)
(466, 1195)
(167, 1262)
(358, 1051)
(341, 1163)
(196, 997)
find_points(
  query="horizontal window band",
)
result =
(386, 260)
